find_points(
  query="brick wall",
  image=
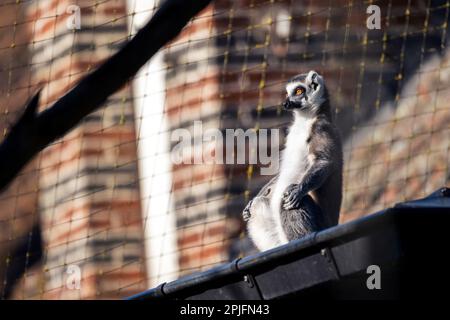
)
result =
(403, 153)
(229, 67)
(18, 201)
(88, 188)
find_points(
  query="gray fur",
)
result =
(313, 201)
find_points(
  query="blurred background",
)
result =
(104, 213)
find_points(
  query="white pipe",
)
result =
(154, 158)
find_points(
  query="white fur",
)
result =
(292, 86)
(265, 227)
(315, 97)
(262, 227)
(294, 163)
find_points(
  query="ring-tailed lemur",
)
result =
(305, 196)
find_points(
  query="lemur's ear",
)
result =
(311, 77)
(314, 80)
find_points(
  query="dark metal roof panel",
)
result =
(328, 256)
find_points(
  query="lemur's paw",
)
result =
(246, 213)
(292, 197)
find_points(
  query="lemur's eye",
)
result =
(299, 91)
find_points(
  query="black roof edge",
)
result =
(250, 264)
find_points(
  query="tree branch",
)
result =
(34, 131)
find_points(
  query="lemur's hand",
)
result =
(246, 213)
(292, 197)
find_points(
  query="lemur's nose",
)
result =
(287, 104)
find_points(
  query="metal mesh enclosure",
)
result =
(149, 187)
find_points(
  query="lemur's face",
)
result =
(305, 92)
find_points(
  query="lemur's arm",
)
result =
(314, 177)
(324, 148)
(264, 192)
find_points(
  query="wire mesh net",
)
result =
(147, 189)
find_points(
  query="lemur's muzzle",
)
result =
(288, 105)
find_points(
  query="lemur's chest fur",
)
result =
(295, 158)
